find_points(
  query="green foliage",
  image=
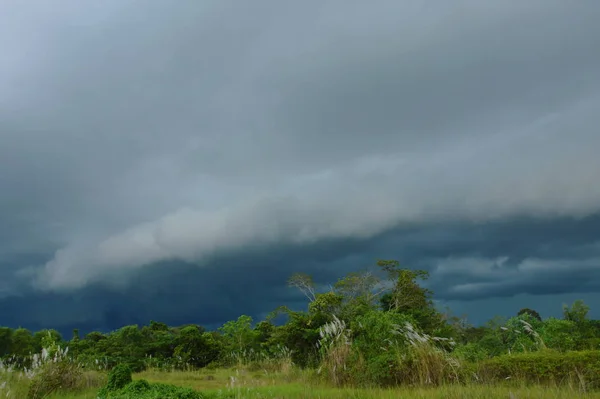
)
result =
(119, 377)
(577, 312)
(195, 348)
(520, 334)
(471, 352)
(354, 333)
(325, 306)
(62, 375)
(142, 389)
(23, 343)
(159, 340)
(408, 297)
(301, 334)
(545, 367)
(358, 294)
(375, 342)
(335, 348)
(374, 332)
(46, 338)
(530, 312)
(561, 335)
(54, 371)
(6, 339)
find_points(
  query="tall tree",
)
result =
(408, 297)
(239, 333)
(530, 312)
(23, 343)
(6, 335)
(577, 312)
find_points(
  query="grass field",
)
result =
(257, 385)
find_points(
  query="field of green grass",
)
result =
(235, 383)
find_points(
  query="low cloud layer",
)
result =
(138, 135)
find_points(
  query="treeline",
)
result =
(364, 322)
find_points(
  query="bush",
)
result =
(561, 335)
(545, 367)
(336, 352)
(52, 377)
(142, 389)
(376, 343)
(426, 364)
(119, 377)
(470, 352)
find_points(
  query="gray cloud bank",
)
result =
(137, 134)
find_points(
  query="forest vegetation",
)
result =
(372, 334)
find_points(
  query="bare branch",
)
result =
(304, 283)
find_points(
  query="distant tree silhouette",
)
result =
(530, 312)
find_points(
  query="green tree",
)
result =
(95, 336)
(23, 343)
(300, 334)
(196, 348)
(74, 344)
(521, 333)
(492, 339)
(126, 345)
(408, 297)
(6, 335)
(239, 333)
(263, 332)
(131, 340)
(530, 312)
(325, 306)
(157, 326)
(561, 335)
(376, 342)
(577, 312)
(160, 340)
(43, 338)
(359, 293)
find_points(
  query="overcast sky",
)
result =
(179, 160)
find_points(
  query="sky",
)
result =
(178, 161)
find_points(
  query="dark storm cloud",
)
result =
(459, 137)
(253, 280)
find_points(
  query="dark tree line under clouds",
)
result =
(363, 307)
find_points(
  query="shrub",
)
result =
(426, 362)
(52, 371)
(560, 334)
(388, 350)
(335, 346)
(520, 334)
(119, 377)
(52, 377)
(545, 367)
(470, 352)
(137, 387)
(376, 343)
(142, 389)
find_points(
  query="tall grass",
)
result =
(244, 384)
(424, 361)
(335, 346)
(406, 356)
(42, 374)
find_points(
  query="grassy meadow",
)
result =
(298, 384)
